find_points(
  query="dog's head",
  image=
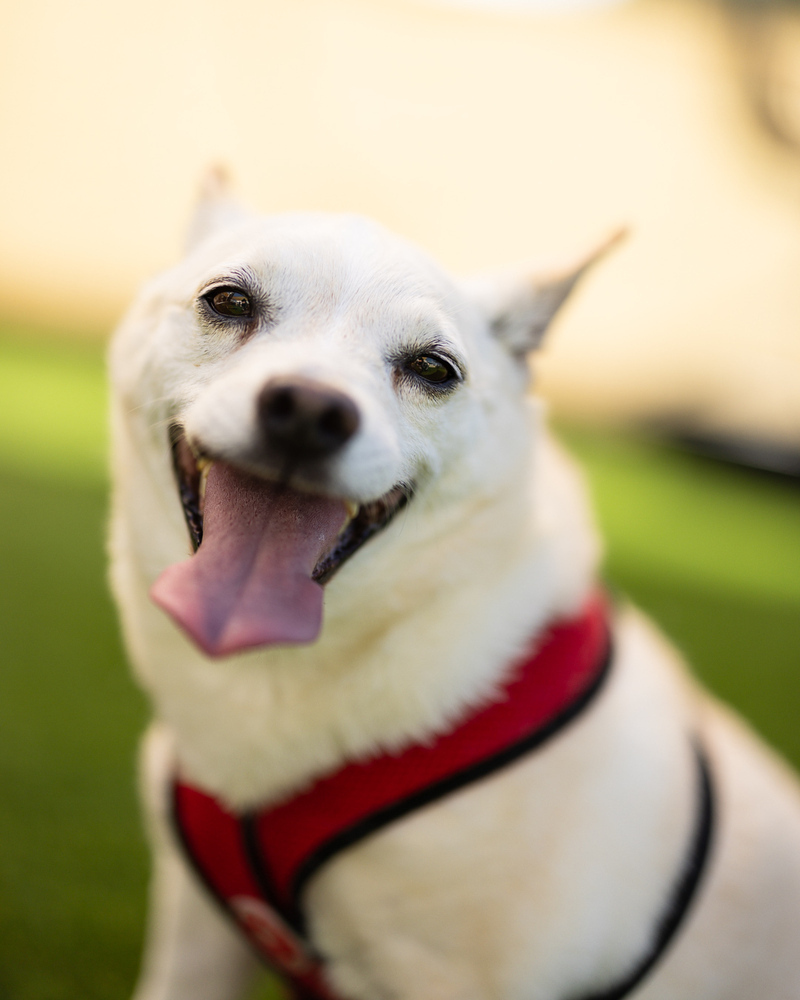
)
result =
(294, 384)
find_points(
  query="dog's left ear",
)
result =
(215, 208)
(520, 305)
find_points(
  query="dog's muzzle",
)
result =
(263, 548)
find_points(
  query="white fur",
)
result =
(539, 883)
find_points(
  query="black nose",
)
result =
(305, 420)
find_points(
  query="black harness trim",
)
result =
(452, 783)
(684, 891)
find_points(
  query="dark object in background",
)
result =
(757, 454)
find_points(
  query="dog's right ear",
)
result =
(215, 209)
(519, 305)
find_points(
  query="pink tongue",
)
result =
(249, 584)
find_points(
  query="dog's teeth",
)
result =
(204, 467)
(352, 508)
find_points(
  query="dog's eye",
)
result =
(431, 369)
(230, 302)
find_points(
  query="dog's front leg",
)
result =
(191, 953)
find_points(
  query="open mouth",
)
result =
(262, 551)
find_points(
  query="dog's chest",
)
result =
(447, 851)
(259, 864)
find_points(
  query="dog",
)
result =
(395, 568)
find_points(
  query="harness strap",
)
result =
(685, 888)
(257, 865)
(215, 843)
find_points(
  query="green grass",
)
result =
(73, 862)
(52, 408)
(712, 552)
(686, 518)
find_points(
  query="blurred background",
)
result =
(489, 132)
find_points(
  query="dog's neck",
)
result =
(386, 671)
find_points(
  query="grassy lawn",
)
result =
(712, 552)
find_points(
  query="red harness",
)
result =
(257, 864)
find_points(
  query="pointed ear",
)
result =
(215, 208)
(519, 305)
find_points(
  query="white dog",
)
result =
(444, 788)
